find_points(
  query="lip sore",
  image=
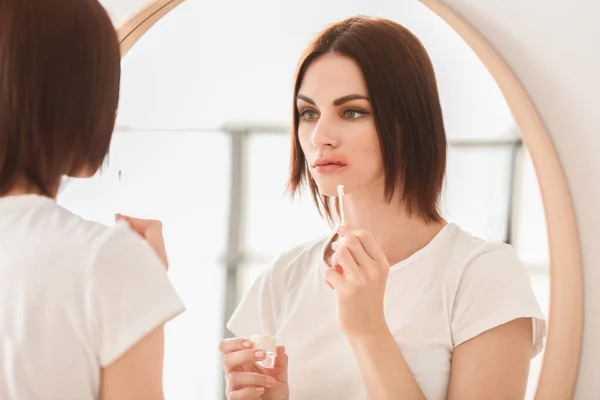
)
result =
(328, 166)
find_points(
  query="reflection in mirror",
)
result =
(203, 144)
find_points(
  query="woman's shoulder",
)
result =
(88, 234)
(43, 222)
(469, 257)
(468, 246)
(487, 285)
(81, 239)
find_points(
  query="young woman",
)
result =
(81, 305)
(398, 304)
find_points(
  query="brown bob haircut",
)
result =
(59, 91)
(408, 116)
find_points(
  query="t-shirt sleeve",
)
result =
(258, 311)
(130, 294)
(495, 289)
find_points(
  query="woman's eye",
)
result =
(353, 114)
(308, 115)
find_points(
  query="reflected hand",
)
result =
(151, 231)
(246, 379)
(360, 282)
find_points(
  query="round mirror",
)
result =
(202, 142)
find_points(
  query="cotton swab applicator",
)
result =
(340, 190)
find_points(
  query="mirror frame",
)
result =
(136, 26)
(560, 365)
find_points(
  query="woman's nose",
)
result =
(324, 134)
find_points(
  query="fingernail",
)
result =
(270, 381)
(247, 344)
(342, 229)
(260, 354)
(339, 269)
(260, 390)
(334, 245)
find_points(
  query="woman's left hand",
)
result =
(360, 282)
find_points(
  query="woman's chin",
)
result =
(328, 190)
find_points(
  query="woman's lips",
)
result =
(329, 168)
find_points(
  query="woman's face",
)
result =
(336, 127)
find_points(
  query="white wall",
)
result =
(554, 48)
(121, 10)
(208, 63)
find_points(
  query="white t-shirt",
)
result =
(74, 296)
(453, 289)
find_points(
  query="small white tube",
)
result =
(267, 343)
(340, 190)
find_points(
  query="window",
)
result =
(181, 178)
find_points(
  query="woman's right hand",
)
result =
(246, 379)
(151, 231)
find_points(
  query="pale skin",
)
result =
(336, 122)
(138, 373)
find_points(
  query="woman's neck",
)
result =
(26, 189)
(400, 235)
